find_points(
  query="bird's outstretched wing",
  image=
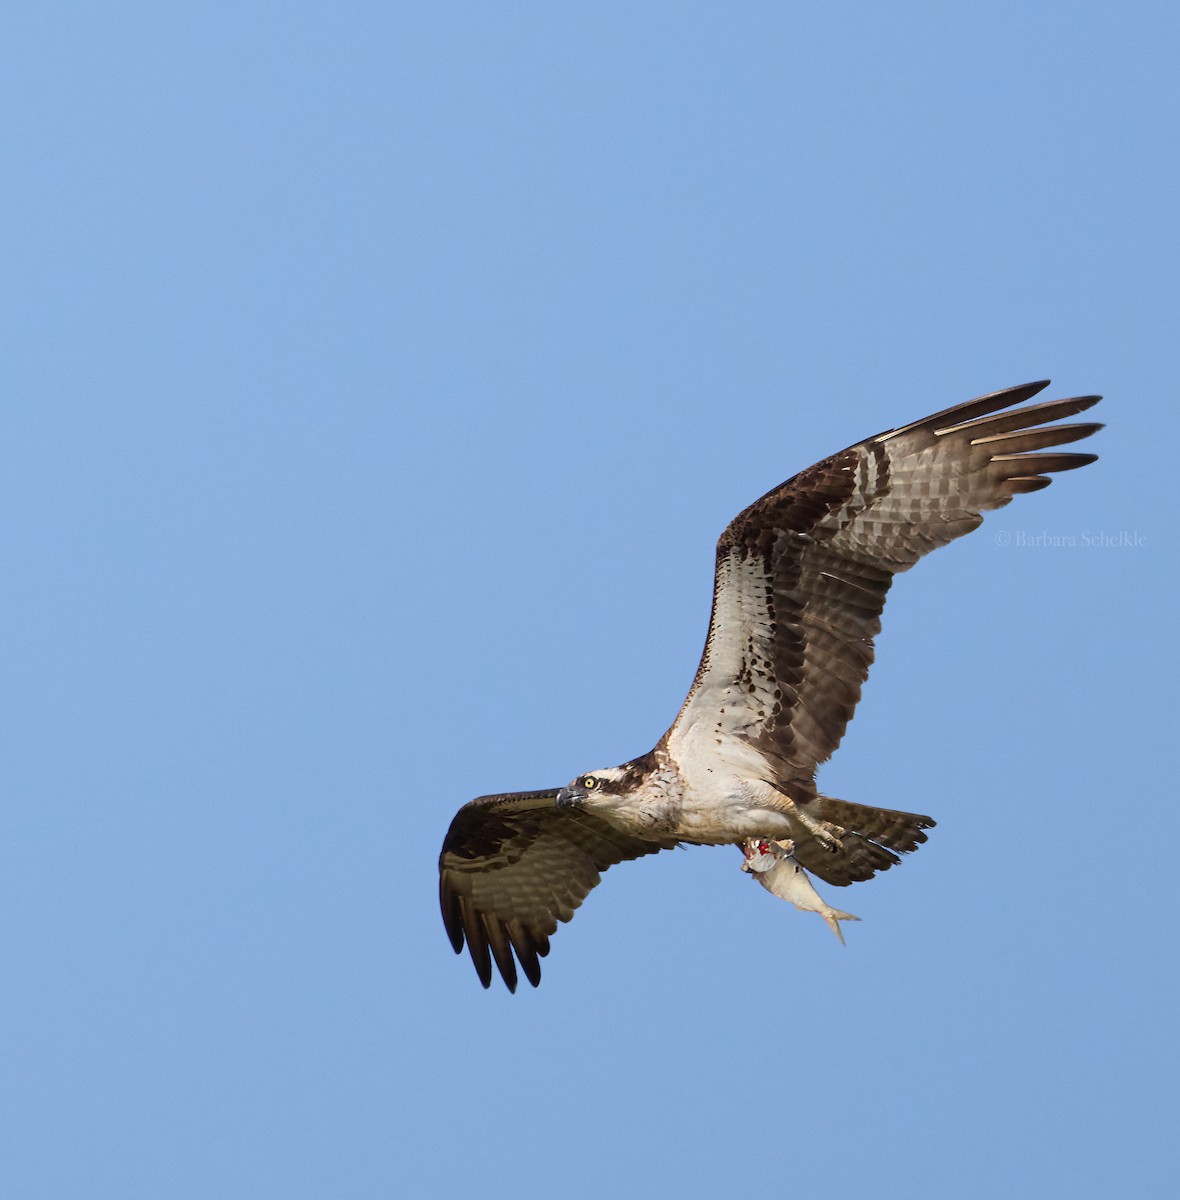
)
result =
(512, 866)
(803, 572)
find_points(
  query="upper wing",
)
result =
(803, 572)
(512, 866)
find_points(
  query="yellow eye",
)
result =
(589, 782)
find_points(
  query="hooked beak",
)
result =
(566, 798)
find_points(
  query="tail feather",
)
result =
(868, 840)
(901, 831)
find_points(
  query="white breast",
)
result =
(725, 796)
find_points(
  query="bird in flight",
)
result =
(800, 583)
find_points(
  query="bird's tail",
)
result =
(902, 831)
(865, 840)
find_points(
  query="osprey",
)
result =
(800, 583)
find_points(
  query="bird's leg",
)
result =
(827, 835)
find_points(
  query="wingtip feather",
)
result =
(451, 914)
(477, 945)
(959, 414)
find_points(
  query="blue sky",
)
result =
(378, 378)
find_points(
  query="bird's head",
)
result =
(596, 789)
